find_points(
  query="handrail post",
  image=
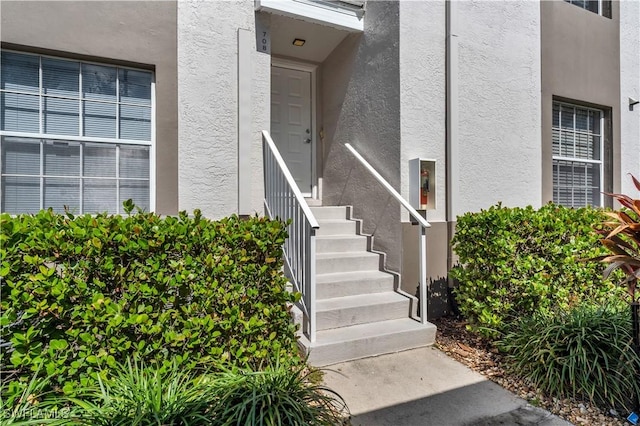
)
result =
(422, 250)
(312, 286)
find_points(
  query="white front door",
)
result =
(291, 122)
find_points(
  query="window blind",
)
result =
(20, 157)
(20, 112)
(20, 194)
(47, 100)
(84, 176)
(20, 73)
(577, 162)
(110, 98)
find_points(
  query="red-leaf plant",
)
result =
(622, 238)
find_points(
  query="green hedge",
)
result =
(517, 261)
(586, 352)
(80, 294)
(137, 394)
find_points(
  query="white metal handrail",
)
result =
(422, 249)
(284, 201)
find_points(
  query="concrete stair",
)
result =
(331, 263)
(329, 286)
(360, 309)
(358, 313)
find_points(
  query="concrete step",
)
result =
(364, 340)
(340, 243)
(360, 309)
(352, 283)
(329, 212)
(337, 227)
(329, 263)
(313, 202)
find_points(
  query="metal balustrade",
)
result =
(284, 201)
(422, 247)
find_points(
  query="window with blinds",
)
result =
(577, 155)
(73, 134)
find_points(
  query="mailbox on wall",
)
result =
(422, 184)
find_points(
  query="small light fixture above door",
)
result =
(299, 42)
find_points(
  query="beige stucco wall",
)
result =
(629, 88)
(361, 106)
(133, 32)
(422, 94)
(392, 113)
(499, 104)
(208, 105)
(580, 62)
(497, 71)
(422, 128)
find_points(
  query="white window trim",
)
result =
(75, 138)
(584, 160)
(113, 141)
(152, 149)
(600, 7)
(82, 61)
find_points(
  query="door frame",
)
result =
(312, 70)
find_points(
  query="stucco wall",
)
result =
(208, 105)
(580, 63)
(361, 106)
(422, 93)
(629, 88)
(136, 32)
(422, 130)
(499, 104)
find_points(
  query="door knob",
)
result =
(307, 140)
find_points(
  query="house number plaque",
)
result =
(263, 36)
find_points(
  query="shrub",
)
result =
(621, 235)
(517, 261)
(586, 352)
(276, 396)
(33, 406)
(80, 294)
(146, 395)
(140, 395)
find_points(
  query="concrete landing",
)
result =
(425, 387)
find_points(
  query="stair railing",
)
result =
(284, 201)
(422, 248)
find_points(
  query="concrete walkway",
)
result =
(425, 387)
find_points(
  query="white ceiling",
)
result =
(320, 39)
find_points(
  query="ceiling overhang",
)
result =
(319, 40)
(347, 15)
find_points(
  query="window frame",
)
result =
(601, 7)
(44, 137)
(602, 136)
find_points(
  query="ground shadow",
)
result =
(479, 404)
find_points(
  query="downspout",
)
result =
(452, 147)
